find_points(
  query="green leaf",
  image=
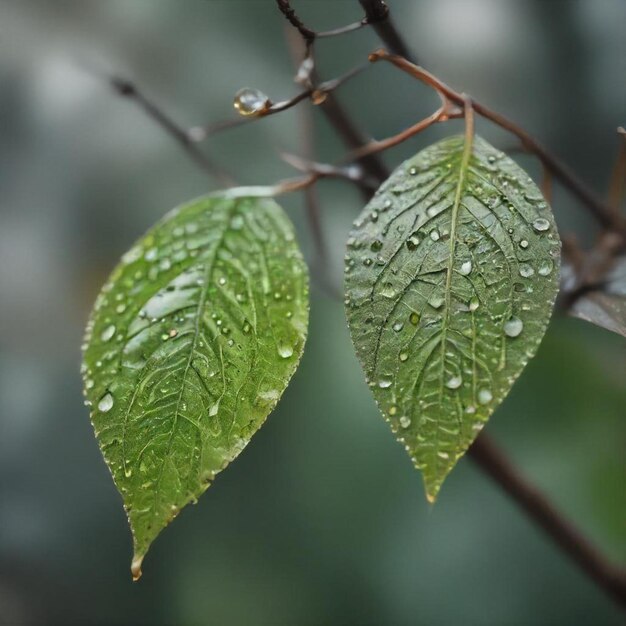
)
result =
(451, 276)
(190, 345)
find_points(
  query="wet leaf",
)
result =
(607, 307)
(190, 345)
(451, 276)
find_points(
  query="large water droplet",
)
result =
(251, 102)
(454, 383)
(526, 270)
(107, 333)
(385, 383)
(285, 351)
(513, 327)
(436, 302)
(465, 268)
(405, 421)
(106, 402)
(545, 268)
(485, 396)
(541, 224)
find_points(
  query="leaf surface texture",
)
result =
(451, 275)
(190, 345)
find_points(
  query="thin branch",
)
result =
(316, 94)
(129, 90)
(384, 144)
(336, 115)
(295, 21)
(617, 185)
(601, 211)
(377, 14)
(342, 30)
(613, 580)
(311, 199)
(351, 172)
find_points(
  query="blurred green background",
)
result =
(322, 520)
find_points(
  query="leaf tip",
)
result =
(431, 489)
(431, 497)
(135, 566)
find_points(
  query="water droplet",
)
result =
(436, 302)
(398, 326)
(107, 333)
(454, 382)
(513, 327)
(222, 281)
(405, 421)
(545, 268)
(413, 170)
(414, 318)
(251, 102)
(172, 333)
(523, 244)
(526, 270)
(367, 262)
(89, 384)
(385, 383)
(106, 403)
(470, 410)
(388, 291)
(377, 244)
(485, 396)
(392, 410)
(434, 235)
(120, 308)
(285, 351)
(237, 222)
(443, 455)
(541, 224)
(465, 268)
(151, 254)
(412, 242)
(404, 356)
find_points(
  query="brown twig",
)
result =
(334, 112)
(317, 94)
(613, 580)
(129, 90)
(600, 210)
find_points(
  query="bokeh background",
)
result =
(322, 520)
